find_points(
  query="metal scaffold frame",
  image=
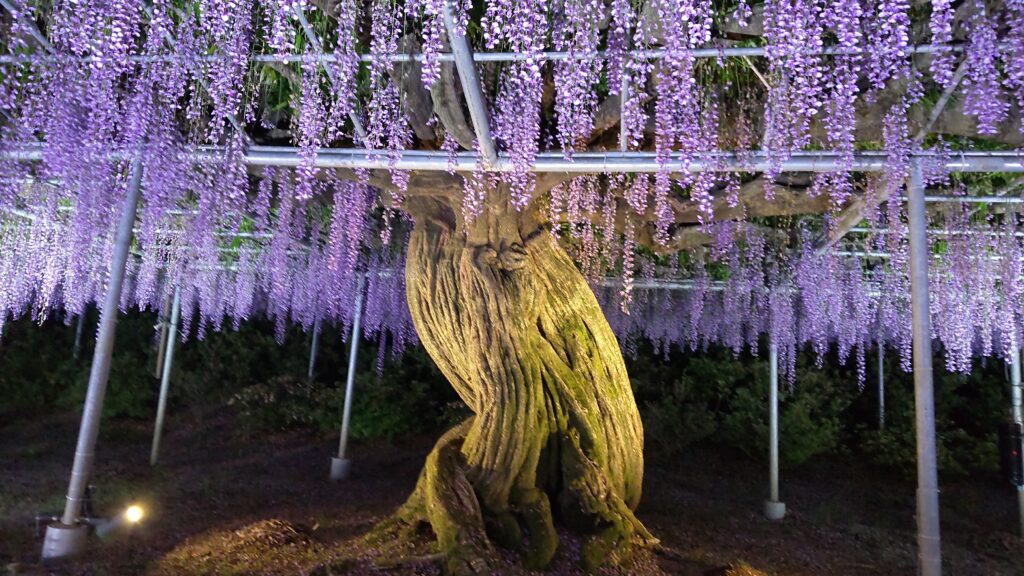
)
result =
(634, 162)
(545, 55)
(66, 537)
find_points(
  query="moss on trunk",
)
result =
(555, 436)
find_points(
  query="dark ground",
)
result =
(222, 502)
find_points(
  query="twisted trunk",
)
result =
(555, 434)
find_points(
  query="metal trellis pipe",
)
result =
(314, 41)
(938, 231)
(1017, 412)
(67, 538)
(341, 466)
(928, 535)
(881, 384)
(162, 346)
(951, 199)
(585, 162)
(773, 508)
(77, 347)
(471, 89)
(313, 349)
(165, 378)
(626, 162)
(550, 55)
(886, 255)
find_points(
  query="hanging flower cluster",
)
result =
(576, 32)
(129, 85)
(844, 19)
(520, 26)
(983, 94)
(280, 14)
(281, 262)
(887, 42)
(1013, 62)
(793, 29)
(387, 126)
(941, 25)
(682, 119)
(827, 301)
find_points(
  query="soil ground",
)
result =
(225, 502)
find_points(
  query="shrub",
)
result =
(283, 403)
(36, 368)
(723, 400)
(406, 398)
(967, 412)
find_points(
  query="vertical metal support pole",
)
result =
(341, 466)
(1017, 412)
(67, 538)
(78, 335)
(928, 537)
(623, 99)
(313, 348)
(881, 385)
(159, 369)
(165, 378)
(773, 509)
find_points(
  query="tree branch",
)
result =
(418, 104)
(448, 104)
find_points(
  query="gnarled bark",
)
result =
(555, 436)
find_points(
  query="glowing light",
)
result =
(133, 514)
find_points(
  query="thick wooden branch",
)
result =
(788, 201)
(427, 183)
(416, 99)
(607, 116)
(448, 104)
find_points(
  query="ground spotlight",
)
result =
(134, 513)
(108, 528)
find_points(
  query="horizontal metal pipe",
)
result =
(20, 213)
(936, 232)
(974, 199)
(659, 284)
(583, 162)
(553, 56)
(682, 284)
(887, 255)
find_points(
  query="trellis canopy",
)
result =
(278, 142)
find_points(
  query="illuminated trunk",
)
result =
(555, 436)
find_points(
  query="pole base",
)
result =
(774, 510)
(63, 541)
(340, 468)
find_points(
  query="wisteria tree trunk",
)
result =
(555, 436)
